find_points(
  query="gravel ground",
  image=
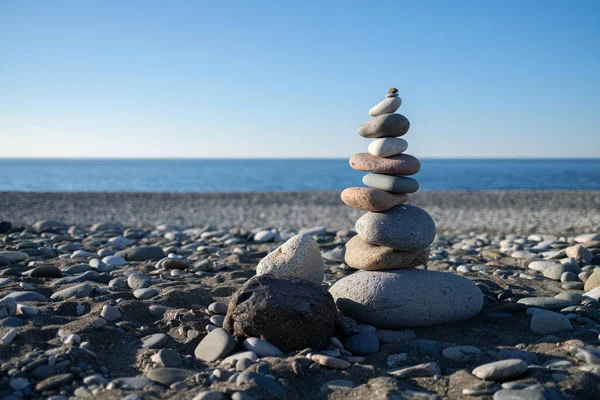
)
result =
(554, 212)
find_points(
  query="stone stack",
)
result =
(394, 237)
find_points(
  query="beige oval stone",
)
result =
(359, 254)
(593, 281)
(401, 164)
(370, 199)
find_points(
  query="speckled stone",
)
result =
(390, 183)
(402, 164)
(370, 199)
(386, 147)
(359, 254)
(501, 370)
(385, 125)
(405, 227)
(406, 298)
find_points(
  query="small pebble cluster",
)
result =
(74, 324)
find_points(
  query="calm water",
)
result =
(284, 175)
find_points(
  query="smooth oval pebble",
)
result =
(501, 370)
(406, 298)
(359, 254)
(262, 348)
(385, 125)
(390, 183)
(401, 164)
(405, 227)
(386, 147)
(386, 106)
(370, 199)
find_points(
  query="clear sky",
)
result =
(248, 79)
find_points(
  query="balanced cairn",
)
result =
(394, 238)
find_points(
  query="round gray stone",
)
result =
(217, 344)
(363, 344)
(404, 227)
(385, 125)
(390, 183)
(406, 298)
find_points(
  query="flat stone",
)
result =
(168, 358)
(142, 253)
(545, 322)
(155, 341)
(11, 322)
(401, 164)
(417, 371)
(54, 382)
(405, 227)
(262, 348)
(134, 382)
(330, 362)
(533, 392)
(501, 370)
(399, 298)
(587, 237)
(116, 261)
(359, 254)
(145, 293)
(464, 354)
(14, 256)
(25, 296)
(548, 303)
(593, 281)
(387, 106)
(579, 252)
(168, 376)
(385, 125)
(218, 308)
(46, 271)
(338, 384)
(138, 281)
(593, 294)
(387, 147)
(263, 236)
(217, 344)
(78, 291)
(390, 183)
(265, 383)
(173, 263)
(370, 199)
(299, 257)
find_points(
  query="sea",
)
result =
(248, 175)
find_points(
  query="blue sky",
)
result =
(283, 79)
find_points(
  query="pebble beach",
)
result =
(113, 295)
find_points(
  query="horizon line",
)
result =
(279, 158)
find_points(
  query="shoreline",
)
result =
(522, 211)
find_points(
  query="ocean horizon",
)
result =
(299, 174)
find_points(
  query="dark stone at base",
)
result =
(143, 253)
(290, 313)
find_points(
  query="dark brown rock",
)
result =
(290, 313)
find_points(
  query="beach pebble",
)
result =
(78, 291)
(115, 261)
(217, 344)
(299, 257)
(46, 271)
(386, 147)
(396, 299)
(138, 281)
(462, 353)
(218, 308)
(401, 164)
(385, 125)
(405, 227)
(359, 254)
(145, 293)
(209, 395)
(14, 256)
(330, 362)
(168, 376)
(593, 281)
(545, 322)
(370, 199)
(110, 313)
(386, 106)
(389, 183)
(417, 371)
(54, 382)
(363, 344)
(155, 341)
(25, 296)
(579, 252)
(142, 253)
(261, 347)
(532, 392)
(263, 236)
(9, 336)
(168, 358)
(273, 308)
(548, 303)
(501, 370)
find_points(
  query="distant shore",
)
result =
(550, 212)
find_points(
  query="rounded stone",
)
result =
(290, 313)
(262, 348)
(401, 164)
(399, 298)
(593, 281)
(370, 199)
(386, 147)
(386, 106)
(217, 344)
(299, 257)
(501, 370)
(363, 344)
(359, 254)
(390, 183)
(385, 125)
(405, 227)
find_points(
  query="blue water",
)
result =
(284, 175)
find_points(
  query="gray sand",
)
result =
(493, 211)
